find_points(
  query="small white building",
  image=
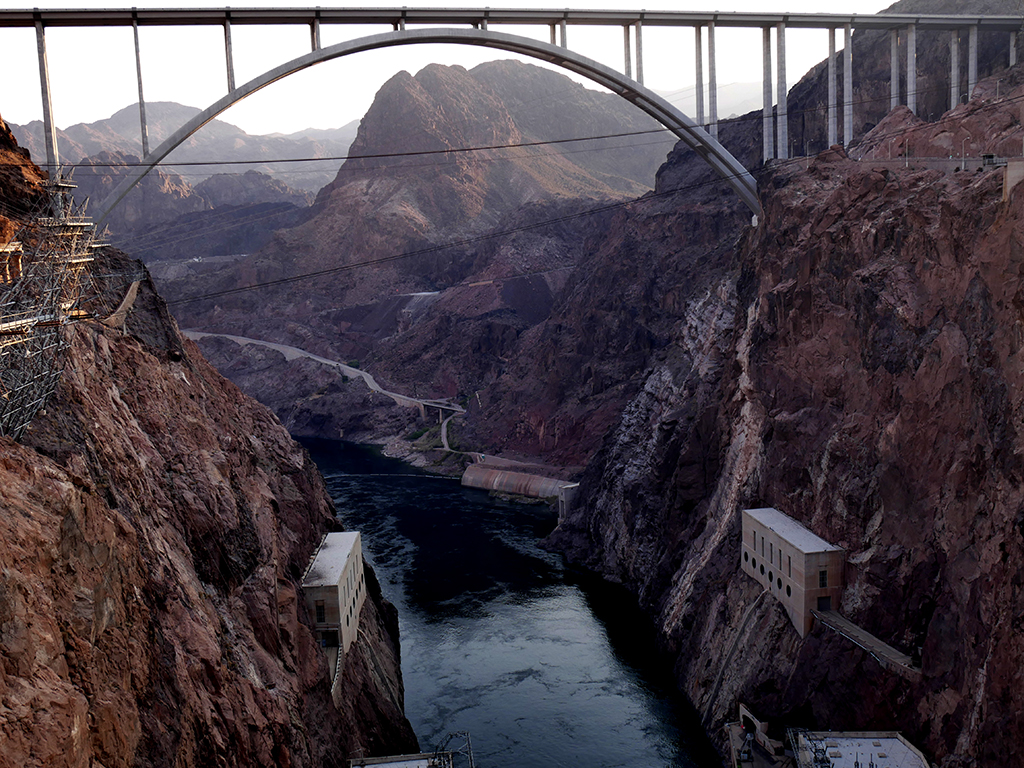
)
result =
(797, 566)
(335, 589)
(856, 749)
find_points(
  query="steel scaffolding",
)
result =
(42, 271)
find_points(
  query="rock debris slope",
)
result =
(154, 528)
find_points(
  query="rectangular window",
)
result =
(771, 552)
(762, 546)
(822, 579)
(789, 566)
(321, 612)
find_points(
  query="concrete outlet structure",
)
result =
(335, 589)
(798, 567)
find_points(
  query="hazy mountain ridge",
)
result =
(216, 145)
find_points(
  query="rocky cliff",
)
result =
(154, 526)
(859, 370)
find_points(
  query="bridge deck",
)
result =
(475, 16)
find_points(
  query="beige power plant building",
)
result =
(797, 566)
(335, 589)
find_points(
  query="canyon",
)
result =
(853, 359)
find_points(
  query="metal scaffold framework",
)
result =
(42, 276)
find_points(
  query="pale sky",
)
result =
(92, 70)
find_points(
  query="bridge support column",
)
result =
(783, 91)
(142, 100)
(847, 85)
(767, 134)
(49, 129)
(833, 127)
(228, 55)
(894, 68)
(1013, 49)
(912, 68)
(314, 33)
(628, 50)
(954, 68)
(972, 61)
(565, 44)
(712, 80)
(699, 77)
(639, 53)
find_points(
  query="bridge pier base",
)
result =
(972, 60)
(833, 127)
(847, 84)
(49, 128)
(1013, 49)
(628, 51)
(954, 68)
(699, 78)
(912, 68)
(767, 134)
(142, 101)
(229, 57)
(782, 130)
(894, 68)
(712, 80)
(639, 53)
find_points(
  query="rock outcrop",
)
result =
(154, 528)
(859, 370)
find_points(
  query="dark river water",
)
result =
(543, 667)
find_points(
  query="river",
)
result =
(541, 665)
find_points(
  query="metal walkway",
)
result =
(882, 652)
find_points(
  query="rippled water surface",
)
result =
(498, 638)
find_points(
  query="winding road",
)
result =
(294, 353)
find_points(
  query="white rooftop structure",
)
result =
(859, 749)
(789, 529)
(327, 568)
(422, 760)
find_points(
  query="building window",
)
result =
(822, 579)
(771, 552)
(762, 546)
(746, 557)
(321, 612)
(789, 592)
(780, 584)
(753, 563)
(789, 566)
(762, 569)
(771, 578)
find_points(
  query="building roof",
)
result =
(330, 560)
(790, 530)
(885, 749)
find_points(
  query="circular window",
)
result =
(780, 583)
(789, 592)
(771, 577)
(746, 557)
(753, 563)
(762, 570)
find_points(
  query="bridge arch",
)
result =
(727, 166)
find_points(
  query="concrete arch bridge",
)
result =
(475, 27)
